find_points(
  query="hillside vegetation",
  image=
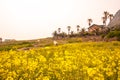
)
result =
(73, 61)
(30, 44)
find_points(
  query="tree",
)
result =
(106, 14)
(104, 20)
(63, 35)
(105, 17)
(110, 16)
(72, 34)
(89, 22)
(55, 34)
(59, 30)
(82, 31)
(78, 28)
(0, 40)
(68, 27)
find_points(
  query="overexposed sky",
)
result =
(32, 19)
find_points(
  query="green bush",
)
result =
(114, 34)
(103, 35)
(74, 40)
(7, 48)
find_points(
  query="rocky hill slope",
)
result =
(116, 20)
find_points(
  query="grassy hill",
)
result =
(37, 43)
(29, 44)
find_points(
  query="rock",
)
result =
(55, 42)
(115, 22)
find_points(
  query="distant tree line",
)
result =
(59, 34)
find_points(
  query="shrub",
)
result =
(74, 40)
(114, 34)
(103, 35)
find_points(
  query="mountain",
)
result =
(115, 22)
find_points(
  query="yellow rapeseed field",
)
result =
(76, 61)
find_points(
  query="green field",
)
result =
(71, 61)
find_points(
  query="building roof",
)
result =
(101, 26)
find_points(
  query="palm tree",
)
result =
(59, 30)
(110, 16)
(0, 40)
(55, 34)
(72, 34)
(83, 30)
(78, 28)
(69, 27)
(104, 21)
(89, 22)
(106, 14)
(63, 34)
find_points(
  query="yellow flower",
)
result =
(46, 78)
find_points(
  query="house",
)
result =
(95, 28)
(0, 40)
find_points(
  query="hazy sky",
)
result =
(31, 19)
